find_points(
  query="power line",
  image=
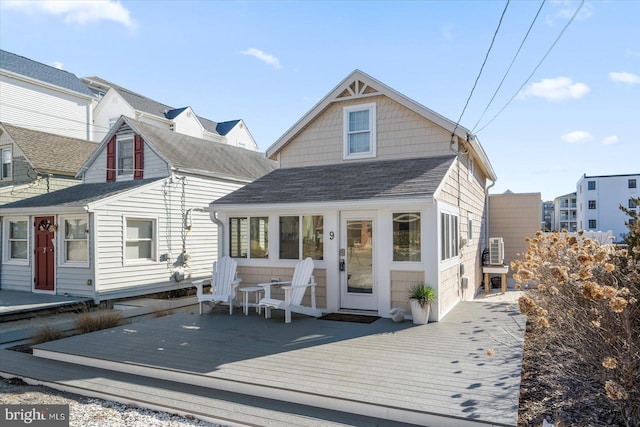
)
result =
(537, 66)
(495, 34)
(510, 65)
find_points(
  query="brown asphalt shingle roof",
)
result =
(383, 179)
(49, 153)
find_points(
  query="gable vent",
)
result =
(357, 88)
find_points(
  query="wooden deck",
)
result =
(437, 374)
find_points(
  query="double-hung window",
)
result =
(592, 204)
(592, 224)
(360, 131)
(140, 239)
(75, 247)
(5, 172)
(406, 236)
(125, 155)
(448, 236)
(16, 242)
(251, 233)
(301, 235)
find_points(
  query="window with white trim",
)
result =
(359, 131)
(406, 236)
(113, 121)
(255, 237)
(75, 246)
(7, 158)
(16, 244)
(125, 155)
(140, 241)
(301, 235)
(469, 227)
(449, 236)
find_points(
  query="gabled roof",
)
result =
(196, 155)
(78, 195)
(144, 104)
(387, 179)
(49, 153)
(223, 128)
(359, 85)
(37, 71)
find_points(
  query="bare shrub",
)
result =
(586, 315)
(46, 333)
(87, 322)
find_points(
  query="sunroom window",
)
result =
(448, 236)
(301, 235)
(406, 236)
(360, 131)
(255, 237)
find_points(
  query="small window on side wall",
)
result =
(359, 131)
(16, 247)
(140, 242)
(6, 158)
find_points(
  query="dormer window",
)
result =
(125, 155)
(359, 131)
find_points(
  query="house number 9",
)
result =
(331, 235)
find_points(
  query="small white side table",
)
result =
(245, 298)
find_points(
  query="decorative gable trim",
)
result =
(358, 89)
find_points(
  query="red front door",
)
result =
(45, 266)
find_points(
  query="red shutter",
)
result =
(138, 157)
(111, 159)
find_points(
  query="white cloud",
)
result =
(610, 140)
(78, 11)
(624, 77)
(566, 9)
(264, 57)
(577, 137)
(556, 89)
(57, 64)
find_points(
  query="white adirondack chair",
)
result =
(293, 293)
(223, 284)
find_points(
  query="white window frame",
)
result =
(6, 248)
(469, 228)
(371, 108)
(113, 121)
(154, 240)
(63, 261)
(119, 140)
(449, 236)
(471, 169)
(6, 149)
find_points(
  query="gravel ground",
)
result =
(89, 412)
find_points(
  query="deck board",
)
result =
(439, 368)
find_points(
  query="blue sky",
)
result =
(269, 63)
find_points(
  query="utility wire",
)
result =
(495, 34)
(537, 66)
(510, 65)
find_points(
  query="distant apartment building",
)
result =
(599, 199)
(548, 210)
(565, 213)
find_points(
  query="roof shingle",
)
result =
(405, 178)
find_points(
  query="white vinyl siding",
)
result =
(45, 109)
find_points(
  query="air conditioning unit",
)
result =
(496, 251)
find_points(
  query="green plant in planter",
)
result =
(424, 295)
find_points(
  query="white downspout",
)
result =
(214, 217)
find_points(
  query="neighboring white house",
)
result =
(115, 100)
(380, 191)
(35, 162)
(134, 226)
(44, 98)
(599, 199)
(565, 213)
